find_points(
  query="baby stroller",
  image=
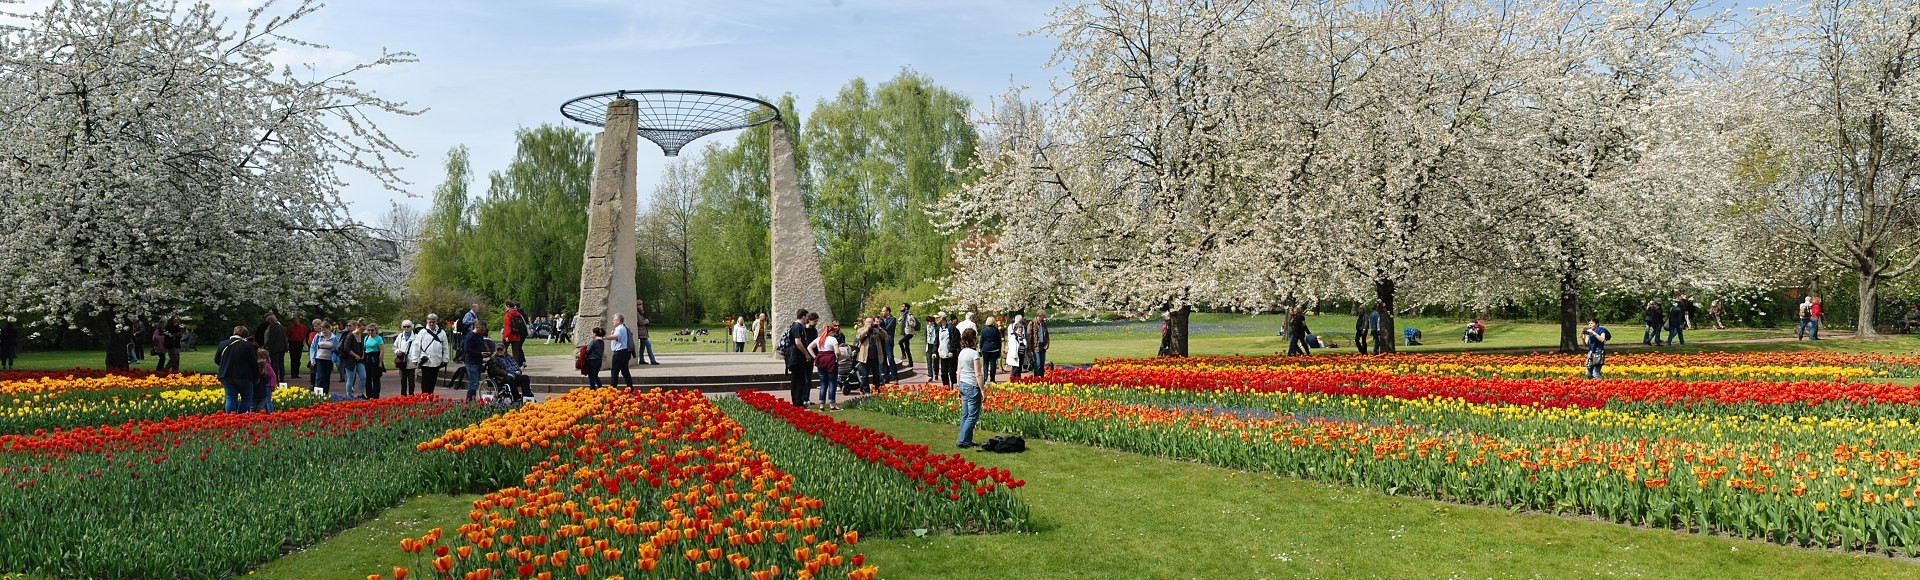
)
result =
(847, 370)
(1474, 333)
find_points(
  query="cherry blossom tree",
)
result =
(1834, 148)
(1127, 190)
(156, 157)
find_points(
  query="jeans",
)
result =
(239, 394)
(273, 360)
(1651, 336)
(1800, 329)
(829, 382)
(263, 396)
(473, 377)
(1360, 340)
(887, 372)
(1676, 333)
(1039, 363)
(1813, 333)
(969, 412)
(322, 375)
(1593, 372)
(1297, 343)
(646, 348)
(739, 346)
(355, 377)
(622, 363)
(933, 363)
(593, 373)
(949, 370)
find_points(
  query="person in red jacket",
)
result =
(513, 331)
(297, 334)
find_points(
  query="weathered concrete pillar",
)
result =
(796, 255)
(607, 265)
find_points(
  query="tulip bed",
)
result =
(212, 495)
(1824, 464)
(654, 484)
(1769, 366)
(886, 487)
(47, 404)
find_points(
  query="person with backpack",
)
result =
(793, 347)
(592, 354)
(430, 351)
(968, 386)
(622, 352)
(1595, 338)
(239, 368)
(513, 331)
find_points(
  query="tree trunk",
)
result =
(116, 344)
(1569, 313)
(1869, 291)
(1383, 290)
(1177, 330)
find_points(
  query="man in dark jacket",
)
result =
(239, 369)
(799, 364)
(273, 337)
(888, 325)
(1677, 323)
(1654, 320)
(905, 329)
(475, 347)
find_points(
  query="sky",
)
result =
(487, 67)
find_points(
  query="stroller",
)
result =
(847, 370)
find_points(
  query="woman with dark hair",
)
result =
(596, 352)
(968, 385)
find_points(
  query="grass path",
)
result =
(372, 547)
(1108, 514)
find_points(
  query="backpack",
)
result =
(580, 359)
(518, 324)
(1005, 444)
(786, 343)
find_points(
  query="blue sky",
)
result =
(489, 66)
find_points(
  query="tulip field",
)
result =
(1754, 446)
(142, 475)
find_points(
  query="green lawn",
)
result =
(1107, 514)
(373, 547)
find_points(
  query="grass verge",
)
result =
(372, 547)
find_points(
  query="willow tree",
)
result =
(155, 158)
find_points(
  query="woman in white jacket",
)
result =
(740, 334)
(1016, 344)
(429, 351)
(401, 359)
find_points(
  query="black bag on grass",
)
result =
(1005, 444)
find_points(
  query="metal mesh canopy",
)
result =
(672, 118)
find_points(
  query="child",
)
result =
(263, 387)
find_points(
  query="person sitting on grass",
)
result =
(1412, 335)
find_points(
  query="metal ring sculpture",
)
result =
(671, 118)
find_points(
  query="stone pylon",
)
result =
(607, 265)
(796, 255)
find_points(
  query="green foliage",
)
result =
(879, 158)
(529, 232)
(732, 254)
(438, 264)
